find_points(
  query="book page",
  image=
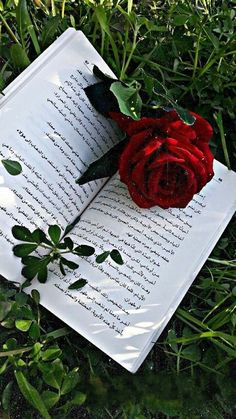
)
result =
(123, 309)
(49, 126)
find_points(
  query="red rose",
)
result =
(170, 124)
(165, 161)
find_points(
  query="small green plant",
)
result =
(55, 246)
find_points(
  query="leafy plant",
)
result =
(55, 246)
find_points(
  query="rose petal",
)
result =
(204, 130)
(125, 161)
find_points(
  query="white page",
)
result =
(48, 124)
(123, 309)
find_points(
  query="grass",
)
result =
(190, 48)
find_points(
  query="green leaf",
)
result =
(36, 296)
(10, 344)
(185, 116)
(49, 30)
(35, 266)
(102, 257)
(31, 394)
(212, 37)
(54, 232)
(80, 283)
(34, 331)
(106, 166)
(36, 351)
(192, 353)
(26, 284)
(70, 381)
(128, 98)
(69, 243)
(116, 256)
(50, 398)
(53, 374)
(3, 367)
(6, 396)
(38, 236)
(148, 82)
(51, 354)
(5, 308)
(31, 260)
(62, 268)
(21, 298)
(180, 20)
(84, 250)
(22, 250)
(43, 274)
(27, 312)
(29, 272)
(25, 25)
(19, 57)
(183, 113)
(103, 76)
(13, 167)
(22, 233)
(69, 263)
(78, 399)
(23, 325)
(101, 98)
(172, 336)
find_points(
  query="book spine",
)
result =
(37, 64)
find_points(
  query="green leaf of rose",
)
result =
(129, 100)
(101, 98)
(13, 167)
(102, 76)
(80, 283)
(106, 166)
(185, 116)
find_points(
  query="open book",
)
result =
(48, 124)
